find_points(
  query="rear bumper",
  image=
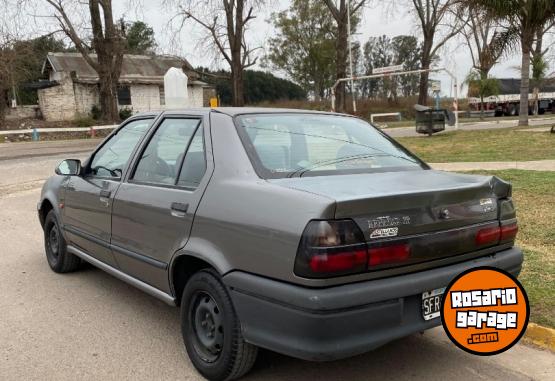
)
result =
(338, 322)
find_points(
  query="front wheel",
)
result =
(211, 330)
(58, 258)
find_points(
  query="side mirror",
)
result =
(69, 167)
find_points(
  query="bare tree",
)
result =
(107, 41)
(12, 53)
(226, 23)
(438, 27)
(484, 38)
(338, 9)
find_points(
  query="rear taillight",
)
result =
(388, 254)
(497, 234)
(509, 232)
(488, 236)
(337, 247)
(331, 248)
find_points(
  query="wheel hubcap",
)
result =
(54, 241)
(208, 327)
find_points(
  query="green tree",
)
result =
(304, 45)
(31, 55)
(140, 38)
(525, 18)
(407, 52)
(259, 86)
(481, 86)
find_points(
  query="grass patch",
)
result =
(534, 195)
(507, 144)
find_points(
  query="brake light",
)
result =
(388, 254)
(331, 248)
(338, 262)
(488, 236)
(509, 232)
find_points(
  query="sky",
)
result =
(378, 19)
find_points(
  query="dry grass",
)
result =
(534, 195)
(508, 144)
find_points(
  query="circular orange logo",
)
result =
(485, 311)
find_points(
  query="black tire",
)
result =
(211, 330)
(59, 260)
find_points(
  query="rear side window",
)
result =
(194, 165)
(162, 160)
(113, 156)
(287, 145)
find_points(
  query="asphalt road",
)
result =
(91, 326)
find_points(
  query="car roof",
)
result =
(233, 111)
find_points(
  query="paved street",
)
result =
(90, 326)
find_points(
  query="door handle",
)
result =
(179, 210)
(105, 194)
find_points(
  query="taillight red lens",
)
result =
(338, 262)
(509, 232)
(331, 248)
(388, 254)
(488, 236)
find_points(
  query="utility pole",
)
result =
(351, 56)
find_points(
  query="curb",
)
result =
(542, 337)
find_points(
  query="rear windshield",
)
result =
(296, 145)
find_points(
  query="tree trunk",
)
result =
(341, 64)
(524, 81)
(237, 89)
(426, 62)
(108, 96)
(536, 100)
(481, 107)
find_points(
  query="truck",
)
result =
(507, 102)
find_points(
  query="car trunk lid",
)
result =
(438, 213)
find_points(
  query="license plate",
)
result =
(431, 303)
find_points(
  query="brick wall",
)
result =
(58, 102)
(144, 98)
(86, 96)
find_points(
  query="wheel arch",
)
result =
(46, 205)
(188, 261)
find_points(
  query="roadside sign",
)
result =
(387, 69)
(435, 85)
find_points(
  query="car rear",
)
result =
(374, 270)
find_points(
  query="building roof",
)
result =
(135, 68)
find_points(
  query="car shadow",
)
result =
(428, 356)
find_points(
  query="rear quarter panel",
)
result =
(244, 222)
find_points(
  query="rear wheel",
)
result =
(211, 330)
(59, 259)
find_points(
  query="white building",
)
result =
(71, 90)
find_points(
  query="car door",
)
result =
(89, 198)
(154, 209)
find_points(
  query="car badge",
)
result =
(384, 233)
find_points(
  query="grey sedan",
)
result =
(311, 234)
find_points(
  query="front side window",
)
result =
(112, 158)
(288, 145)
(163, 157)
